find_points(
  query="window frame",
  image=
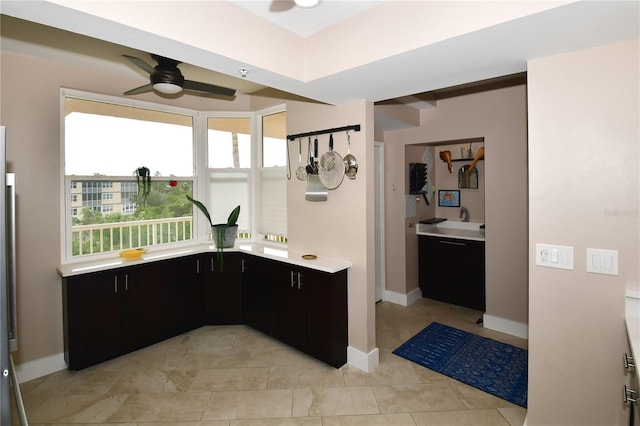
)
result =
(199, 177)
(66, 215)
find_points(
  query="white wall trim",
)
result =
(363, 361)
(503, 325)
(402, 298)
(40, 367)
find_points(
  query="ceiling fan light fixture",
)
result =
(307, 3)
(167, 88)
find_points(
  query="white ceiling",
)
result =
(409, 68)
(305, 21)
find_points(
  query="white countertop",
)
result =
(268, 251)
(452, 229)
(632, 320)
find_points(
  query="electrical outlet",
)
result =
(554, 256)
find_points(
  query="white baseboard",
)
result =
(402, 298)
(40, 367)
(503, 325)
(361, 360)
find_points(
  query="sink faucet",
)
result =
(464, 214)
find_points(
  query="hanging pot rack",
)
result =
(354, 127)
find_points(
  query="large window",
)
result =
(272, 216)
(107, 141)
(104, 145)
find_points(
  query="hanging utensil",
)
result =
(350, 162)
(309, 158)
(331, 169)
(301, 171)
(315, 190)
(328, 159)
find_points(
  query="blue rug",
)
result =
(491, 366)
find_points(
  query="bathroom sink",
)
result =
(452, 229)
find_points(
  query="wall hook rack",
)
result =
(355, 127)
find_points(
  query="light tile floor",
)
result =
(236, 376)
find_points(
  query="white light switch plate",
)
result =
(554, 256)
(601, 261)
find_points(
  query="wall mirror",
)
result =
(467, 177)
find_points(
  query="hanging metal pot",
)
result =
(350, 162)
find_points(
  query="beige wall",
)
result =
(584, 186)
(30, 108)
(472, 199)
(500, 117)
(339, 228)
(342, 226)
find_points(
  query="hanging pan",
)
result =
(331, 168)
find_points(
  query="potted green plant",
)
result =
(143, 178)
(224, 234)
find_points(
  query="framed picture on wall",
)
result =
(448, 198)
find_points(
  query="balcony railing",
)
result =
(105, 237)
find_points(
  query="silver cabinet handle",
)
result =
(115, 283)
(197, 266)
(292, 281)
(628, 361)
(451, 243)
(212, 265)
(628, 394)
(126, 282)
(299, 280)
(243, 266)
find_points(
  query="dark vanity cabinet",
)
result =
(452, 270)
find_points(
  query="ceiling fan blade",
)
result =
(207, 88)
(141, 89)
(140, 63)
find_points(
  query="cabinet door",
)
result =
(258, 307)
(452, 271)
(222, 288)
(184, 295)
(91, 318)
(291, 310)
(326, 316)
(142, 306)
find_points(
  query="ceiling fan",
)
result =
(166, 78)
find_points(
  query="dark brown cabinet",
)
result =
(110, 313)
(222, 288)
(183, 295)
(302, 307)
(258, 298)
(452, 270)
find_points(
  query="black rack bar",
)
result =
(355, 127)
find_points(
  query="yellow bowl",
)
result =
(132, 253)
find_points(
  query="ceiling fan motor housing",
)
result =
(166, 72)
